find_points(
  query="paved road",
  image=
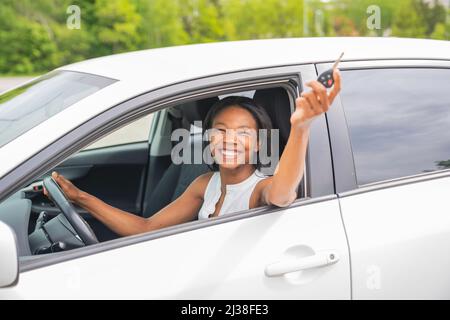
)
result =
(8, 82)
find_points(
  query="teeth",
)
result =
(228, 153)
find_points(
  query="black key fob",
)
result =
(327, 78)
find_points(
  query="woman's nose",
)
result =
(230, 136)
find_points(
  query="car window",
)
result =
(25, 107)
(137, 131)
(398, 120)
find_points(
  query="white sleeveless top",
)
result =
(237, 196)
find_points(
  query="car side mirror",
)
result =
(9, 261)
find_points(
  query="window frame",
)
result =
(342, 153)
(290, 77)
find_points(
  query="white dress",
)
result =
(237, 196)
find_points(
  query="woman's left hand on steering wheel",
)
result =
(70, 190)
(53, 188)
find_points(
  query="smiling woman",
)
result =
(25, 107)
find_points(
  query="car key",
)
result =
(326, 78)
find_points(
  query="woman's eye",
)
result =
(244, 133)
(216, 132)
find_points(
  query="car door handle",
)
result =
(320, 259)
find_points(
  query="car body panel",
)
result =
(224, 261)
(400, 240)
(150, 68)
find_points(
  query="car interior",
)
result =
(137, 177)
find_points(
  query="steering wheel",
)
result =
(81, 227)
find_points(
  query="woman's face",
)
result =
(233, 137)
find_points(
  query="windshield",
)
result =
(25, 107)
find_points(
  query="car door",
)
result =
(393, 176)
(299, 252)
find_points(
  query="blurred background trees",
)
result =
(34, 36)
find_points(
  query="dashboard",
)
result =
(39, 225)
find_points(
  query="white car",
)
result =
(372, 218)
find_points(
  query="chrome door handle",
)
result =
(320, 259)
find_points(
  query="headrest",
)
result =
(192, 111)
(277, 105)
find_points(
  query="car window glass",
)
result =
(137, 131)
(398, 121)
(27, 106)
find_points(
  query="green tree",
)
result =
(116, 25)
(200, 20)
(439, 32)
(161, 25)
(409, 21)
(34, 37)
(433, 13)
(26, 46)
(258, 19)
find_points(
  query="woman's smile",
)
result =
(230, 154)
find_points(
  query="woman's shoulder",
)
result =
(204, 178)
(263, 181)
(201, 182)
(257, 196)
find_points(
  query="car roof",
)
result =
(194, 61)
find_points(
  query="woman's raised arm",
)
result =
(281, 189)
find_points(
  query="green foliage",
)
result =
(34, 37)
(409, 21)
(116, 25)
(161, 25)
(439, 32)
(258, 19)
(444, 164)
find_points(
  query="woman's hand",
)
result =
(313, 103)
(72, 193)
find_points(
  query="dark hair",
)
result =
(259, 114)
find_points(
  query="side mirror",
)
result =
(9, 261)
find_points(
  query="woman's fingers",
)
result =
(321, 92)
(337, 85)
(61, 180)
(303, 103)
(55, 175)
(313, 101)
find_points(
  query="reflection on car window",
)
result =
(399, 121)
(137, 131)
(25, 107)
